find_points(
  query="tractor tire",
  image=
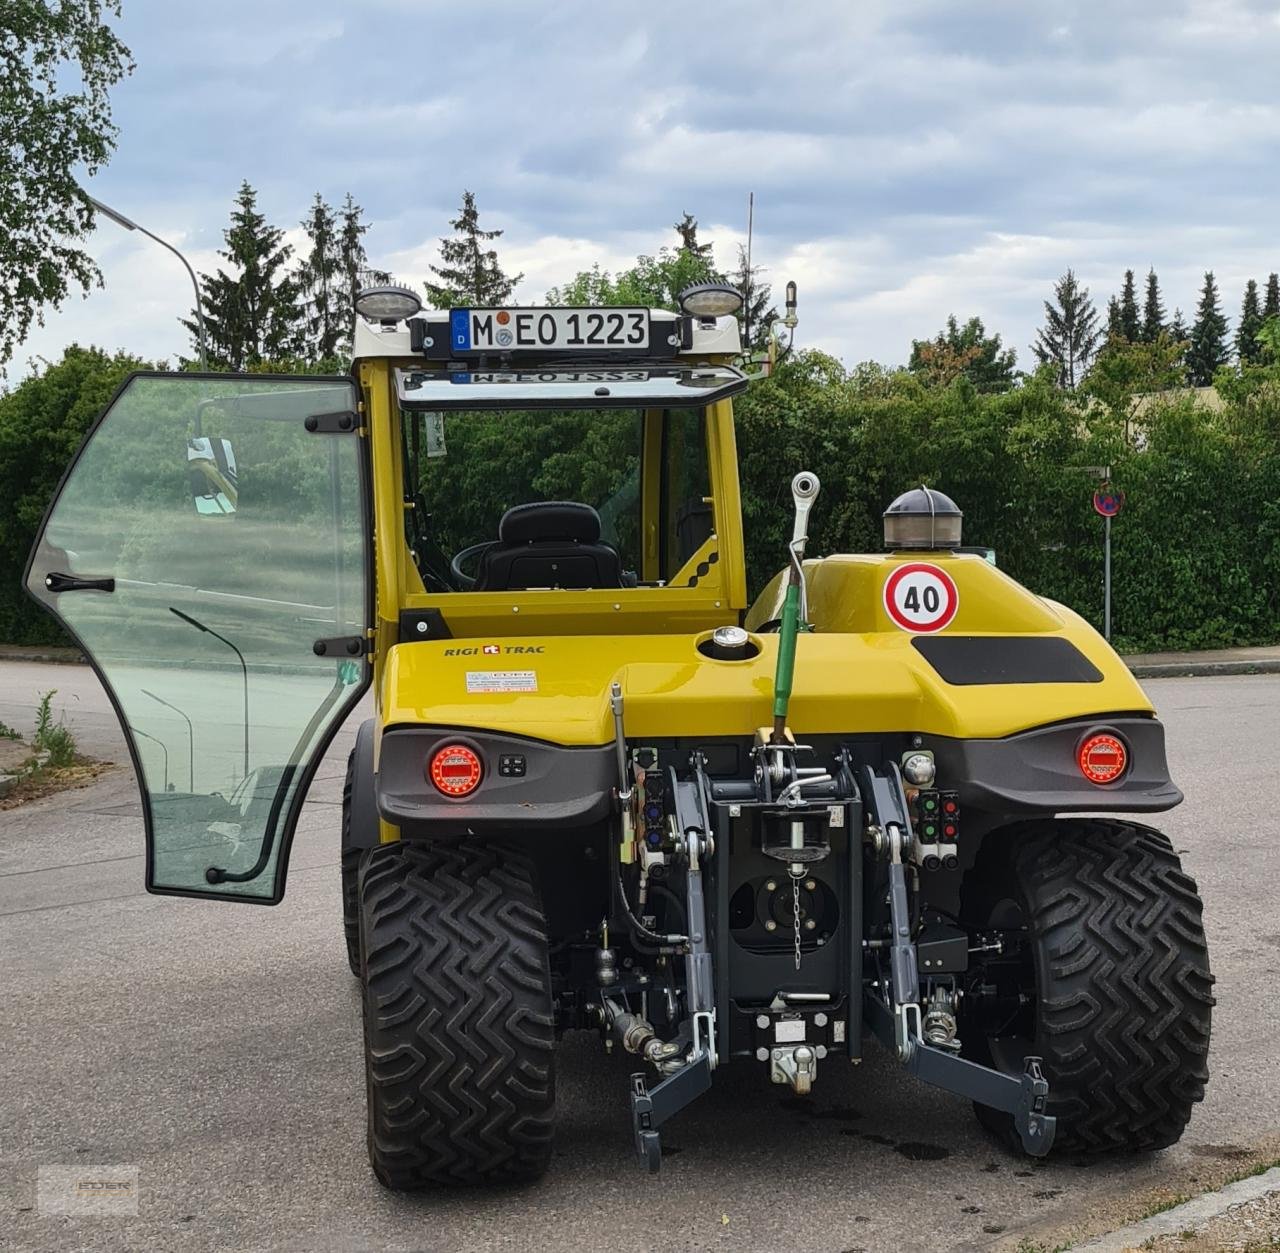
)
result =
(350, 869)
(1106, 978)
(459, 1024)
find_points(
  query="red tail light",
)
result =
(456, 770)
(1102, 758)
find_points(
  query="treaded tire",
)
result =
(1122, 983)
(458, 1017)
(350, 869)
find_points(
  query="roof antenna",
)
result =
(746, 301)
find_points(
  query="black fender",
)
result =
(362, 829)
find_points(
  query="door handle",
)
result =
(56, 582)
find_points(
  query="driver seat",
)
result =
(550, 543)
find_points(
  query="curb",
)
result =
(1202, 669)
(57, 657)
(1188, 1215)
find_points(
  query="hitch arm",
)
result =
(1025, 1097)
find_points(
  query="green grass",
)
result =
(52, 737)
(1161, 1207)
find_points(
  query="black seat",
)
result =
(551, 543)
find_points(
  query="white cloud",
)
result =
(911, 159)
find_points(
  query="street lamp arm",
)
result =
(129, 225)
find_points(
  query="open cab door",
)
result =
(208, 549)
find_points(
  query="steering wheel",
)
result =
(468, 554)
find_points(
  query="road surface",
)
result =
(216, 1047)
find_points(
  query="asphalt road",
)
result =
(217, 1049)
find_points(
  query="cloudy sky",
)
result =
(909, 159)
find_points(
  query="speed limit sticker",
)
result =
(920, 597)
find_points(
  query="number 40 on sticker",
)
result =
(920, 597)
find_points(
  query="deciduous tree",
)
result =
(58, 61)
(966, 351)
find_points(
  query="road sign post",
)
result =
(1107, 502)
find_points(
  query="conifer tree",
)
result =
(1271, 303)
(687, 229)
(758, 313)
(469, 273)
(1177, 328)
(1152, 310)
(1247, 347)
(325, 319)
(1070, 335)
(353, 266)
(1130, 320)
(251, 314)
(1208, 349)
(1115, 322)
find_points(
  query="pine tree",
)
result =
(1152, 310)
(1115, 321)
(1271, 303)
(1177, 329)
(469, 273)
(319, 276)
(252, 314)
(758, 313)
(353, 267)
(1130, 321)
(1247, 347)
(1070, 336)
(687, 229)
(1208, 348)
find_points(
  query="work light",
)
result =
(388, 302)
(710, 300)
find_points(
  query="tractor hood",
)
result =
(556, 688)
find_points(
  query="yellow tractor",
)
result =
(601, 790)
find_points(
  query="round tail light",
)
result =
(456, 770)
(1102, 758)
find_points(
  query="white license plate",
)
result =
(543, 330)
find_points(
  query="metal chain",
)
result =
(795, 914)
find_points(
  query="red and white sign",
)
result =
(920, 597)
(1102, 758)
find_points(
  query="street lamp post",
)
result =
(120, 220)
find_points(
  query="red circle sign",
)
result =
(1108, 502)
(920, 597)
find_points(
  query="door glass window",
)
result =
(228, 517)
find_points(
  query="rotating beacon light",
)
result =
(804, 491)
(922, 520)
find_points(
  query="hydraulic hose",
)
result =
(666, 943)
